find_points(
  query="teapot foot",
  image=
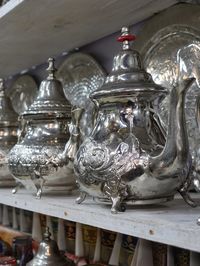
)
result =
(186, 196)
(16, 188)
(117, 205)
(81, 197)
(38, 193)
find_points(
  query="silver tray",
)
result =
(22, 93)
(80, 75)
(171, 53)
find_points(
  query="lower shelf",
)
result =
(173, 223)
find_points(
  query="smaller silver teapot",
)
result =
(40, 159)
(48, 254)
(8, 136)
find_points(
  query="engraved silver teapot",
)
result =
(39, 160)
(128, 157)
(48, 254)
(8, 136)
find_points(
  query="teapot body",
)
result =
(36, 161)
(117, 152)
(8, 138)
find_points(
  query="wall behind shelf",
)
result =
(102, 50)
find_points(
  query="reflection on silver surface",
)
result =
(8, 136)
(39, 159)
(48, 254)
(174, 55)
(22, 93)
(128, 157)
(80, 75)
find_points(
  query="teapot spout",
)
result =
(175, 155)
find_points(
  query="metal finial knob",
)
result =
(51, 69)
(47, 234)
(125, 38)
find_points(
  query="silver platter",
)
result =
(80, 75)
(22, 93)
(172, 53)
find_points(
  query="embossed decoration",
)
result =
(40, 158)
(170, 46)
(175, 54)
(128, 157)
(80, 75)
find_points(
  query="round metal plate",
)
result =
(172, 53)
(80, 75)
(22, 93)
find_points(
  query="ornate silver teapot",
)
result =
(8, 136)
(48, 254)
(39, 160)
(128, 157)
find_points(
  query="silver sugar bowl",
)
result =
(39, 160)
(48, 254)
(128, 158)
(8, 136)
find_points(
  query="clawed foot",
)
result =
(81, 197)
(16, 188)
(187, 198)
(117, 206)
(39, 193)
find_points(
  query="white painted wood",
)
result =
(5, 221)
(173, 223)
(61, 238)
(97, 252)
(33, 30)
(36, 227)
(15, 224)
(114, 258)
(79, 247)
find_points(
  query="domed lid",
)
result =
(128, 78)
(48, 253)
(50, 101)
(7, 114)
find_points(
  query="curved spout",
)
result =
(175, 155)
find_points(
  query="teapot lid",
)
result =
(48, 253)
(8, 116)
(128, 78)
(50, 101)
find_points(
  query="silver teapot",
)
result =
(8, 136)
(39, 160)
(48, 254)
(128, 157)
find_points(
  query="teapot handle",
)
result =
(23, 123)
(197, 111)
(74, 141)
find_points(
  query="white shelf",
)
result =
(33, 30)
(173, 223)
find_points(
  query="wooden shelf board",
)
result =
(173, 223)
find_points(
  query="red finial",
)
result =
(126, 36)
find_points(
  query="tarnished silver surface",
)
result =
(22, 93)
(80, 75)
(48, 254)
(174, 55)
(170, 46)
(39, 161)
(8, 136)
(126, 157)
